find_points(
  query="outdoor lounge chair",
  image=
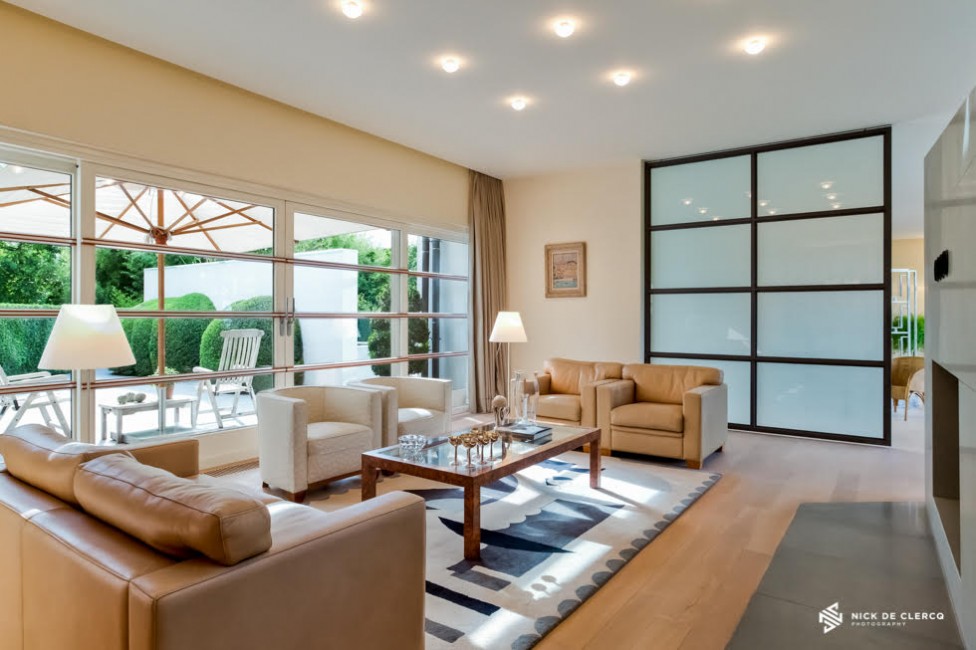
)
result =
(38, 400)
(240, 352)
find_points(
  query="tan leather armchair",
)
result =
(412, 405)
(311, 435)
(660, 410)
(567, 390)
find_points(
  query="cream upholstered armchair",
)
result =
(412, 405)
(567, 390)
(311, 435)
(671, 411)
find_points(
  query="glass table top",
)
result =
(439, 453)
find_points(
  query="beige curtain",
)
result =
(486, 218)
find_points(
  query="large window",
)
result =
(772, 263)
(221, 294)
(36, 248)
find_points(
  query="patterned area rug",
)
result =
(549, 542)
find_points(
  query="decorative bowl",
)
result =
(411, 444)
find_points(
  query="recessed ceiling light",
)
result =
(835, 206)
(352, 8)
(450, 64)
(17, 169)
(826, 185)
(564, 27)
(622, 77)
(754, 45)
(771, 211)
(831, 196)
(702, 210)
(763, 203)
(686, 201)
(519, 103)
(716, 218)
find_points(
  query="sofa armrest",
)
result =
(705, 410)
(608, 397)
(329, 578)
(283, 441)
(588, 402)
(545, 382)
(179, 457)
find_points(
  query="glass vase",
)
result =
(525, 389)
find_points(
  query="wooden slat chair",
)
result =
(239, 352)
(33, 400)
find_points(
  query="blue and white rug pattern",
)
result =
(549, 542)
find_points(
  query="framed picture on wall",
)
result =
(566, 270)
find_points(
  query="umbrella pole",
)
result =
(161, 323)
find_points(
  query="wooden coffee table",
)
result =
(434, 463)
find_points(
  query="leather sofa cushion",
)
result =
(569, 376)
(648, 415)
(560, 407)
(174, 515)
(42, 457)
(668, 384)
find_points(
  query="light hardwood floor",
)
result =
(689, 588)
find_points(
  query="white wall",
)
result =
(601, 207)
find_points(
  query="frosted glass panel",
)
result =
(701, 257)
(702, 191)
(825, 325)
(736, 378)
(702, 323)
(825, 399)
(835, 250)
(837, 175)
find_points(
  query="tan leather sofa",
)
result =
(70, 581)
(661, 410)
(567, 390)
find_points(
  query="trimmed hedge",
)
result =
(22, 341)
(183, 336)
(212, 343)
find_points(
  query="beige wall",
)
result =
(910, 254)
(601, 207)
(61, 82)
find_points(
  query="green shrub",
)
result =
(183, 336)
(900, 323)
(22, 341)
(212, 343)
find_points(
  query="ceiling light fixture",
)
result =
(835, 206)
(826, 185)
(621, 78)
(450, 64)
(686, 201)
(702, 210)
(352, 8)
(763, 203)
(831, 196)
(771, 211)
(519, 103)
(564, 27)
(754, 45)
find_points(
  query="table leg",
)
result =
(105, 436)
(595, 463)
(472, 522)
(118, 426)
(368, 480)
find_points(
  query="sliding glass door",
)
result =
(772, 263)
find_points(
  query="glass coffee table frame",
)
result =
(433, 463)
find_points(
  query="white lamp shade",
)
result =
(86, 337)
(508, 328)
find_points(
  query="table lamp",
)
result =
(508, 329)
(86, 337)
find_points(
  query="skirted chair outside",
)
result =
(567, 390)
(660, 410)
(311, 435)
(412, 405)
(902, 369)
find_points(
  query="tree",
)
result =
(35, 274)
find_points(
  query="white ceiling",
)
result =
(831, 65)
